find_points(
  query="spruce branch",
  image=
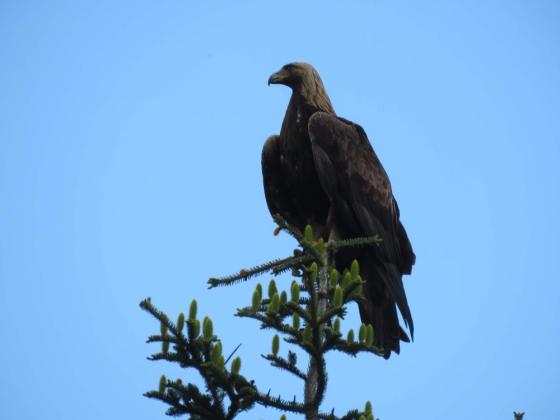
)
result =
(204, 354)
(360, 242)
(275, 266)
(307, 314)
(289, 229)
(282, 363)
(318, 283)
(277, 402)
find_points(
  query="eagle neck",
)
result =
(315, 98)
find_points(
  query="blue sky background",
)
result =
(130, 140)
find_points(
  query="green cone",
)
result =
(192, 310)
(275, 344)
(295, 291)
(162, 383)
(350, 337)
(346, 280)
(207, 328)
(320, 247)
(360, 289)
(181, 322)
(236, 365)
(272, 288)
(274, 304)
(196, 329)
(362, 333)
(314, 269)
(334, 277)
(308, 233)
(337, 298)
(216, 353)
(336, 326)
(295, 320)
(256, 301)
(355, 270)
(369, 335)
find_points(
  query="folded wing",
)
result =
(362, 204)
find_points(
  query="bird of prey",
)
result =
(322, 171)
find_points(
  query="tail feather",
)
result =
(393, 280)
(384, 292)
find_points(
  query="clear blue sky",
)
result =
(130, 140)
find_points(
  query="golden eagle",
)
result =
(322, 171)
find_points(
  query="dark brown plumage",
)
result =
(321, 170)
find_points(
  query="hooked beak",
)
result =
(280, 77)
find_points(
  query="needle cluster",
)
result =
(308, 315)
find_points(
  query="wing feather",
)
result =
(359, 189)
(277, 196)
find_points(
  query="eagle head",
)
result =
(305, 81)
(294, 75)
